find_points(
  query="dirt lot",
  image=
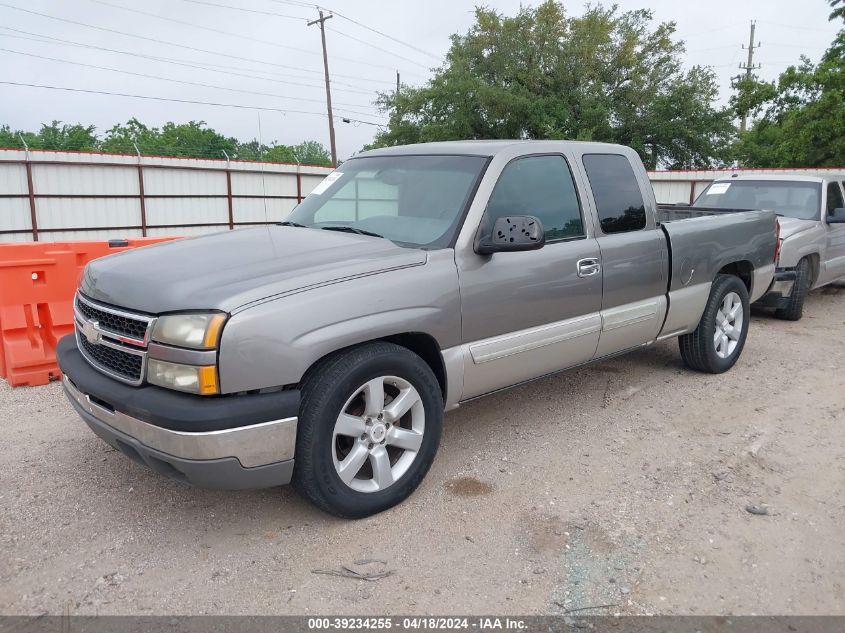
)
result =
(622, 484)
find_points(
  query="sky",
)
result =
(262, 53)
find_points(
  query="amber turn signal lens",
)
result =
(208, 381)
(212, 334)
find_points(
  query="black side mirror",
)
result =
(513, 233)
(836, 216)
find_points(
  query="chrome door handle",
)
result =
(588, 267)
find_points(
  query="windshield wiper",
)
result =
(351, 229)
(296, 224)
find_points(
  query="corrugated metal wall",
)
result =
(54, 196)
(684, 186)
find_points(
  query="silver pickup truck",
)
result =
(811, 214)
(325, 350)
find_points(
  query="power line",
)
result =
(180, 81)
(211, 68)
(712, 48)
(173, 100)
(249, 38)
(378, 48)
(152, 39)
(795, 26)
(66, 61)
(206, 66)
(226, 6)
(369, 28)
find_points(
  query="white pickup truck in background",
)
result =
(811, 214)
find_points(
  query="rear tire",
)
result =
(794, 308)
(717, 342)
(369, 428)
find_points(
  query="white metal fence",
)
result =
(55, 196)
(671, 187)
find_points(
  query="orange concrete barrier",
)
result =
(37, 284)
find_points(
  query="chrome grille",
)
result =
(126, 365)
(134, 327)
(113, 341)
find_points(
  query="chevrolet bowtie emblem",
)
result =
(89, 329)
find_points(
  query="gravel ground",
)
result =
(624, 484)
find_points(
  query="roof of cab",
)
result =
(782, 177)
(483, 148)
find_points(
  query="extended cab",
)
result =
(811, 214)
(325, 350)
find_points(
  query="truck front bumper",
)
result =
(227, 442)
(778, 293)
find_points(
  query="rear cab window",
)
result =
(619, 200)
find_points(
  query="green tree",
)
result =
(124, 138)
(55, 136)
(305, 153)
(604, 76)
(251, 150)
(11, 139)
(193, 139)
(66, 137)
(312, 153)
(798, 120)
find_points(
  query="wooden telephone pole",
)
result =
(322, 22)
(748, 67)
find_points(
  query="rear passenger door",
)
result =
(633, 253)
(834, 264)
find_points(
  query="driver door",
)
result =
(834, 265)
(525, 314)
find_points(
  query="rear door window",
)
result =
(619, 201)
(834, 197)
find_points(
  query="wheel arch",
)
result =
(815, 261)
(420, 343)
(743, 269)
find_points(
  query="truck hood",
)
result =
(793, 226)
(227, 271)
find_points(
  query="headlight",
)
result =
(189, 378)
(197, 331)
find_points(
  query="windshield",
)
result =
(412, 200)
(792, 199)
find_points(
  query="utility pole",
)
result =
(748, 67)
(397, 83)
(322, 22)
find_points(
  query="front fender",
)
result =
(274, 343)
(795, 247)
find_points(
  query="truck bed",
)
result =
(703, 241)
(675, 212)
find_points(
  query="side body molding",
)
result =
(501, 361)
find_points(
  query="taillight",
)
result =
(777, 240)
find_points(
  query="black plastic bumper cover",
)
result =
(775, 298)
(171, 409)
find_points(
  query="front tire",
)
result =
(369, 428)
(794, 308)
(717, 342)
